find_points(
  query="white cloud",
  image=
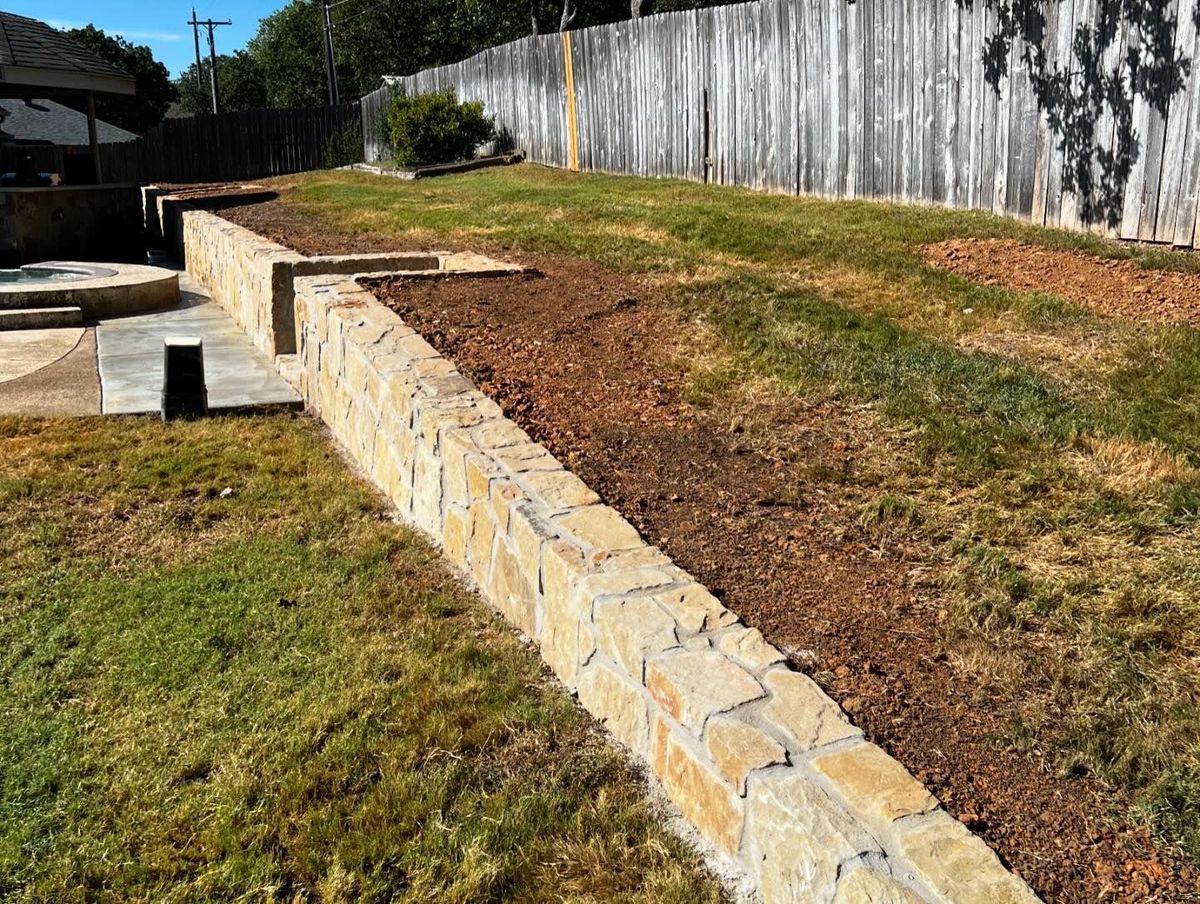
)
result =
(129, 34)
(148, 35)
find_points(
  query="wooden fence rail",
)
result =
(228, 146)
(1064, 112)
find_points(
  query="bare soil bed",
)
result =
(1115, 288)
(576, 356)
(783, 551)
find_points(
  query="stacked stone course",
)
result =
(756, 756)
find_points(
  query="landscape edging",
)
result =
(755, 755)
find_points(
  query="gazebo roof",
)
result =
(37, 59)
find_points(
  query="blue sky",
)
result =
(161, 24)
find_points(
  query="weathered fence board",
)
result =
(955, 103)
(247, 144)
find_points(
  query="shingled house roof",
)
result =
(46, 121)
(35, 56)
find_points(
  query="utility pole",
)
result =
(210, 24)
(330, 65)
(196, 38)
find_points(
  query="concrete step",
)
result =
(39, 318)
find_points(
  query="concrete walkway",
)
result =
(63, 386)
(130, 353)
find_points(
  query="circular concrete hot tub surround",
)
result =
(98, 290)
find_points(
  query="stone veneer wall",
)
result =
(249, 276)
(756, 756)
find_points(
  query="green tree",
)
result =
(241, 84)
(155, 92)
(289, 52)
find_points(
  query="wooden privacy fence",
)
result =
(227, 146)
(1076, 113)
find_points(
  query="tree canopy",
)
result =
(240, 84)
(155, 91)
(284, 63)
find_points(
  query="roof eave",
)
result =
(19, 81)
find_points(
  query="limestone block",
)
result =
(600, 527)
(696, 788)
(432, 417)
(448, 386)
(402, 389)
(415, 348)
(557, 489)
(798, 837)
(877, 788)
(510, 591)
(865, 886)
(629, 559)
(355, 365)
(456, 526)
(695, 609)
(692, 686)
(529, 530)
(802, 711)
(427, 488)
(525, 457)
(480, 471)
(562, 567)
(747, 646)
(427, 369)
(498, 435)
(629, 629)
(617, 702)
(504, 495)
(621, 583)
(738, 748)
(368, 330)
(377, 388)
(483, 533)
(958, 866)
(393, 468)
(456, 444)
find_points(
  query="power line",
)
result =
(370, 9)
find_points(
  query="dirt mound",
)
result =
(1112, 288)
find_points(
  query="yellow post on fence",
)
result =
(572, 122)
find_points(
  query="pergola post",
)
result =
(93, 140)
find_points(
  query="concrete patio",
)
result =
(122, 358)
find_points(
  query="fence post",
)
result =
(572, 121)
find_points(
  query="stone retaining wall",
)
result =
(757, 757)
(251, 277)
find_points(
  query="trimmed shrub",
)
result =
(435, 128)
(344, 147)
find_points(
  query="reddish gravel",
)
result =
(1113, 288)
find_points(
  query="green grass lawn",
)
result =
(1055, 476)
(227, 674)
